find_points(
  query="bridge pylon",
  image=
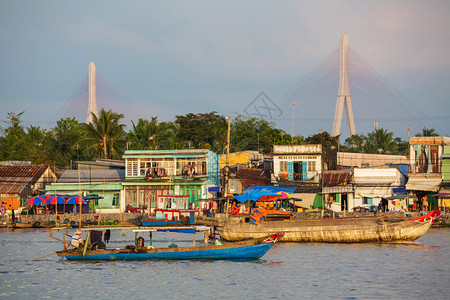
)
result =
(344, 100)
(92, 106)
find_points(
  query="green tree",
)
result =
(355, 143)
(65, 141)
(37, 141)
(380, 141)
(167, 136)
(203, 130)
(145, 134)
(12, 142)
(106, 135)
(427, 132)
(325, 139)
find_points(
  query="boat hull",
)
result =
(329, 230)
(183, 253)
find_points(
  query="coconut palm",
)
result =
(144, 134)
(428, 132)
(380, 141)
(105, 134)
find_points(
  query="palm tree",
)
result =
(380, 142)
(105, 134)
(144, 135)
(428, 132)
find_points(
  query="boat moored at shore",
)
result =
(339, 230)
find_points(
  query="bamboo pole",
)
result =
(44, 256)
(101, 202)
(79, 187)
(227, 168)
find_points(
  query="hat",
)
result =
(78, 231)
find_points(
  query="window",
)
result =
(132, 167)
(283, 166)
(311, 166)
(115, 201)
(367, 201)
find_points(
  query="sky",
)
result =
(168, 58)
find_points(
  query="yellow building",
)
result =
(247, 158)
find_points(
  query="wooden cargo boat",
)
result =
(339, 230)
(250, 249)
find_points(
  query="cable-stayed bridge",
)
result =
(310, 106)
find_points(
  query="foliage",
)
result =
(65, 141)
(203, 130)
(13, 140)
(380, 141)
(355, 143)
(105, 135)
(427, 132)
(258, 135)
(323, 138)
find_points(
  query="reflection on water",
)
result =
(309, 270)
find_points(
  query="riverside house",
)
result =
(302, 166)
(153, 173)
(103, 183)
(18, 183)
(425, 167)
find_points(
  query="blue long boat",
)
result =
(249, 249)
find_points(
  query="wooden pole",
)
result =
(227, 168)
(79, 187)
(44, 256)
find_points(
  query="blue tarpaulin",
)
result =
(270, 190)
(253, 193)
(252, 196)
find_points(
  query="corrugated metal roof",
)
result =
(334, 178)
(253, 177)
(13, 179)
(75, 176)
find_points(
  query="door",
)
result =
(304, 170)
(291, 170)
(344, 204)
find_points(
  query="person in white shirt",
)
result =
(77, 241)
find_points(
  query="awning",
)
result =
(374, 191)
(337, 189)
(307, 199)
(423, 184)
(401, 196)
(399, 191)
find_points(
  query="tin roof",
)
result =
(13, 179)
(252, 177)
(75, 176)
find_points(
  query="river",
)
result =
(287, 271)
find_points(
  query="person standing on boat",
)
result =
(77, 241)
(425, 203)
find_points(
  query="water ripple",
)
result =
(288, 271)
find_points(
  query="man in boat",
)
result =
(77, 241)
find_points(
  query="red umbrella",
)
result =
(76, 200)
(35, 201)
(56, 200)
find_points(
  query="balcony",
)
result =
(422, 168)
(296, 178)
